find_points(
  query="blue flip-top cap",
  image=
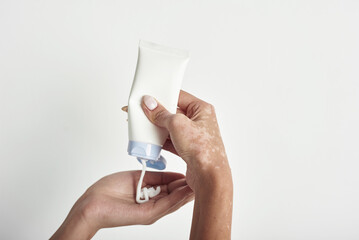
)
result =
(159, 164)
(149, 152)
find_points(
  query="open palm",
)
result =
(110, 202)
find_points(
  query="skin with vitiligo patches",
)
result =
(197, 139)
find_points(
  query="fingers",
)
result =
(173, 201)
(161, 178)
(176, 184)
(155, 112)
(186, 200)
(124, 108)
(168, 146)
(185, 99)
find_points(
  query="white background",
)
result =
(283, 76)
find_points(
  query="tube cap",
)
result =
(159, 164)
(149, 152)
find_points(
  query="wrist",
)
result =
(213, 204)
(75, 226)
(216, 181)
(214, 167)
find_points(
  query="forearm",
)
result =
(195, 220)
(212, 215)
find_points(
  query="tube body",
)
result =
(159, 73)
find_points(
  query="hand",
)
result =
(194, 136)
(110, 202)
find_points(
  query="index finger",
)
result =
(185, 99)
(161, 178)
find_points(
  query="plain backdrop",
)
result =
(282, 75)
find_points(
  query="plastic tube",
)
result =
(159, 73)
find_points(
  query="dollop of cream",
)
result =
(145, 193)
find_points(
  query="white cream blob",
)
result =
(145, 193)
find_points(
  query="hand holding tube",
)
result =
(195, 137)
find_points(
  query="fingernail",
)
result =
(150, 102)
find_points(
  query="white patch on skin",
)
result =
(208, 110)
(199, 138)
(207, 141)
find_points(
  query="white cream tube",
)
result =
(159, 73)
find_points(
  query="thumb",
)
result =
(155, 112)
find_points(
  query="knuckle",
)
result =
(159, 116)
(176, 121)
(208, 108)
